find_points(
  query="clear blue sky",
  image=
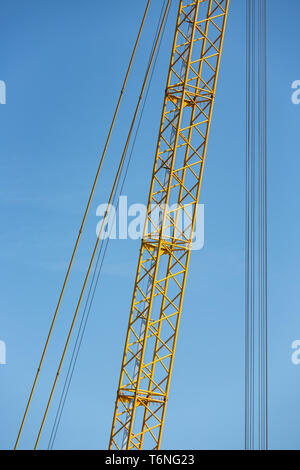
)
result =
(63, 63)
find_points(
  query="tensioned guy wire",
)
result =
(250, 226)
(83, 223)
(256, 289)
(93, 256)
(98, 270)
(263, 243)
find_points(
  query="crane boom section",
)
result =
(170, 224)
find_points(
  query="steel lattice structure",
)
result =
(166, 246)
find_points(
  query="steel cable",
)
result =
(256, 289)
(83, 223)
(103, 223)
(95, 279)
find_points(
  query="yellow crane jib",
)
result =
(165, 251)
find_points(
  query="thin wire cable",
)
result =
(100, 232)
(247, 204)
(82, 224)
(253, 224)
(95, 280)
(266, 223)
(260, 232)
(256, 278)
(250, 225)
(259, 177)
(263, 248)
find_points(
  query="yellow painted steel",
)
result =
(166, 246)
